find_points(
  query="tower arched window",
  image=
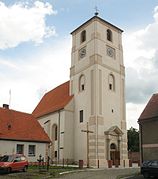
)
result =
(111, 82)
(83, 36)
(109, 35)
(82, 83)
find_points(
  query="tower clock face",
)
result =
(111, 52)
(82, 52)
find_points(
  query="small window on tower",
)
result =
(81, 116)
(82, 83)
(82, 87)
(111, 82)
(83, 36)
(109, 35)
(110, 86)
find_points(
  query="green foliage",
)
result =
(133, 140)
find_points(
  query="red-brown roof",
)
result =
(20, 126)
(151, 109)
(54, 100)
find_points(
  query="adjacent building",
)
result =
(92, 101)
(21, 133)
(148, 126)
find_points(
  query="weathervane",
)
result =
(96, 11)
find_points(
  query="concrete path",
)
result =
(100, 174)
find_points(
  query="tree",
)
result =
(133, 140)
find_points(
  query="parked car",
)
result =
(16, 162)
(149, 168)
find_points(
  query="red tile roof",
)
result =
(54, 100)
(151, 109)
(20, 126)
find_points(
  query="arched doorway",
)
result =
(114, 154)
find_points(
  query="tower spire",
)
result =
(96, 11)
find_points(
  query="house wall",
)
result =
(150, 139)
(10, 147)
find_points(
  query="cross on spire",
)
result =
(96, 11)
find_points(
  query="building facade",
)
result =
(20, 133)
(148, 125)
(96, 102)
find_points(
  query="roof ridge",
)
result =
(1, 108)
(57, 87)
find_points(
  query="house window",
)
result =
(81, 116)
(20, 149)
(32, 150)
(109, 35)
(111, 82)
(83, 36)
(56, 154)
(82, 83)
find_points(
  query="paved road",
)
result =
(100, 174)
(83, 174)
(136, 177)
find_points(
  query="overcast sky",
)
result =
(35, 47)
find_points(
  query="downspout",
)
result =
(58, 136)
(141, 142)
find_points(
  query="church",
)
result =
(85, 116)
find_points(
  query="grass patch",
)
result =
(33, 172)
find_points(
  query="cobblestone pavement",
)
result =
(100, 174)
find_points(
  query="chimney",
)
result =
(5, 106)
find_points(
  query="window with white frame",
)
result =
(32, 150)
(20, 149)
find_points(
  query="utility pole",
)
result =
(87, 131)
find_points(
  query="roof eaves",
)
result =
(140, 120)
(96, 17)
(25, 140)
(48, 113)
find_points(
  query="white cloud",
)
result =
(141, 61)
(29, 81)
(21, 23)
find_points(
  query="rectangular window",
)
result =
(32, 150)
(56, 154)
(20, 149)
(81, 116)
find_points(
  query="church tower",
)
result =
(97, 81)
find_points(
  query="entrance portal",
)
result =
(114, 154)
